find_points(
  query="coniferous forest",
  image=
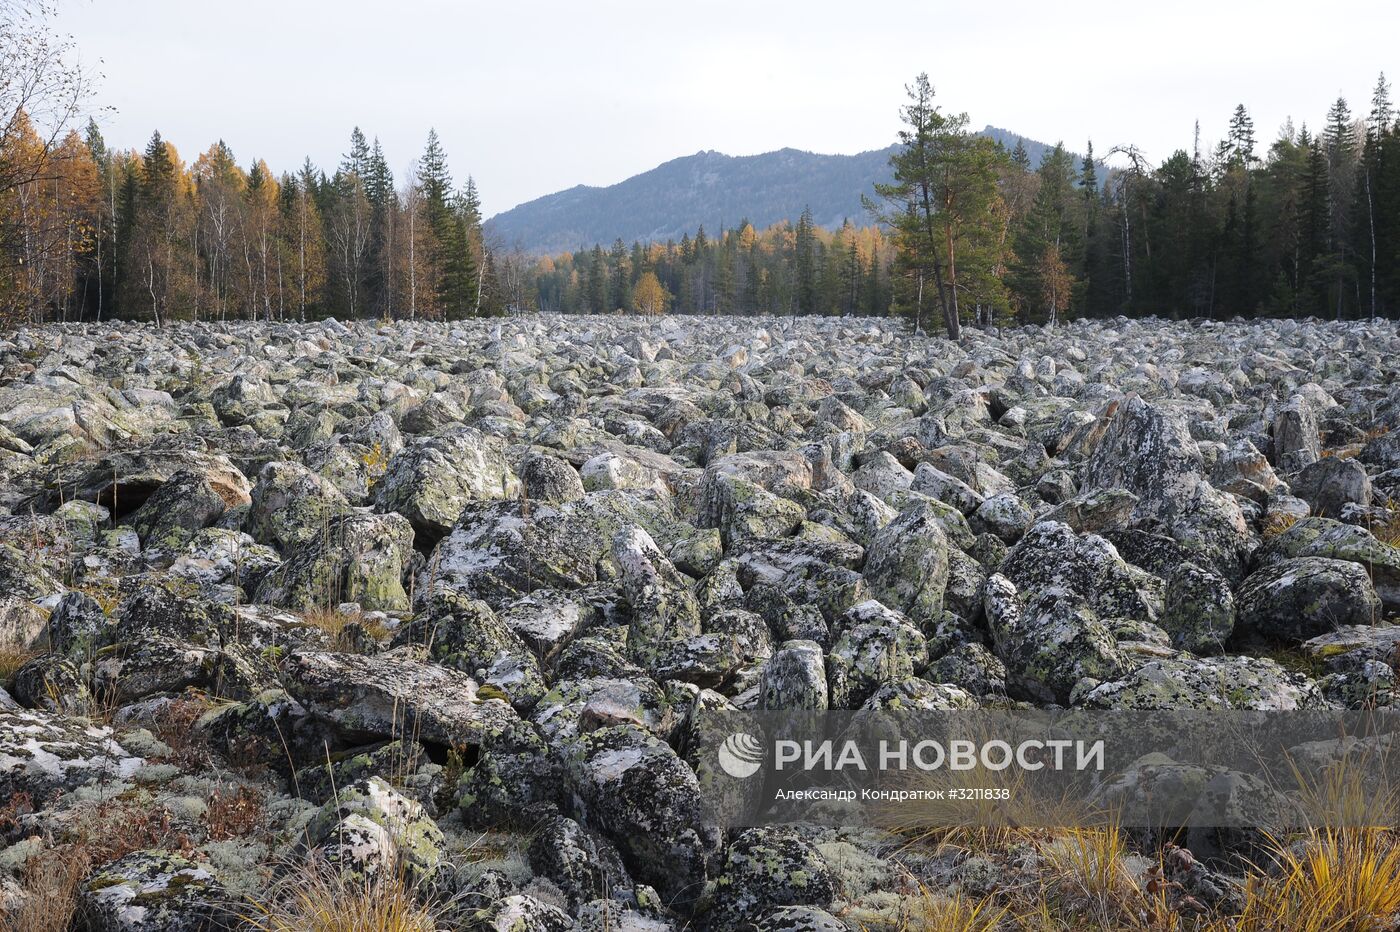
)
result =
(1304, 224)
(1307, 224)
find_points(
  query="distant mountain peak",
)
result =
(709, 188)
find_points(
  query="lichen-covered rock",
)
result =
(934, 482)
(1245, 683)
(800, 919)
(155, 891)
(370, 828)
(635, 790)
(520, 912)
(1331, 484)
(432, 479)
(396, 760)
(23, 625)
(767, 869)
(465, 634)
(41, 753)
(53, 683)
(1004, 515)
(906, 564)
(794, 678)
(1199, 614)
(611, 470)
(573, 707)
(742, 509)
(1052, 559)
(916, 693)
(501, 551)
(735, 642)
(1049, 644)
(360, 558)
(1094, 512)
(972, 667)
(1244, 471)
(183, 504)
(393, 694)
(515, 780)
(583, 864)
(664, 609)
(25, 575)
(1300, 598)
(292, 506)
(1296, 441)
(545, 478)
(1323, 537)
(544, 620)
(877, 646)
(1148, 451)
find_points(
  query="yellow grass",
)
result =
(931, 912)
(12, 657)
(1278, 523)
(321, 899)
(1336, 881)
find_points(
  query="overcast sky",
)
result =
(533, 97)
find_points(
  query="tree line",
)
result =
(88, 232)
(967, 230)
(970, 231)
(784, 269)
(101, 234)
(1309, 226)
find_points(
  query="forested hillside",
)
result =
(707, 189)
(973, 226)
(978, 230)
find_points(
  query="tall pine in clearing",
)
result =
(453, 270)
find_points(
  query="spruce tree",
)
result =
(456, 283)
(806, 264)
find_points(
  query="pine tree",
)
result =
(806, 264)
(1241, 137)
(1314, 222)
(1053, 224)
(597, 281)
(1339, 141)
(454, 272)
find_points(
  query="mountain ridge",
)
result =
(707, 188)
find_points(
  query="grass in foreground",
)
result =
(319, 898)
(1320, 881)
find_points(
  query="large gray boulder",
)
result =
(432, 479)
(1297, 599)
(1149, 451)
(1323, 537)
(360, 558)
(633, 788)
(906, 564)
(1332, 483)
(664, 609)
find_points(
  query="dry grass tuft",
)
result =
(318, 898)
(1387, 531)
(115, 828)
(175, 725)
(1277, 523)
(50, 882)
(12, 657)
(1335, 881)
(344, 627)
(931, 912)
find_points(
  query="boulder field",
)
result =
(443, 599)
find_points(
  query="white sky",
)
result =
(534, 97)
